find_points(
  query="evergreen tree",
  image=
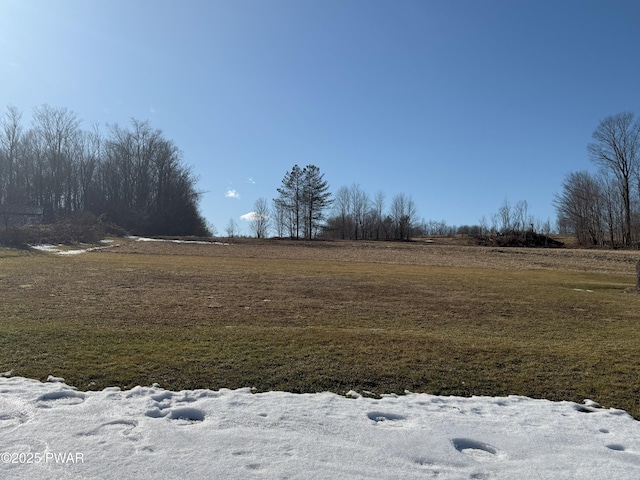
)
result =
(303, 197)
(290, 200)
(316, 197)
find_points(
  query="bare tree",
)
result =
(378, 209)
(611, 207)
(520, 216)
(279, 220)
(579, 207)
(232, 228)
(342, 211)
(484, 225)
(137, 153)
(10, 137)
(260, 218)
(88, 156)
(504, 215)
(359, 205)
(404, 215)
(56, 128)
(356, 217)
(616, 149)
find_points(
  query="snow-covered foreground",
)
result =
(51, 430)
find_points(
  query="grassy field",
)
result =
(316, 316)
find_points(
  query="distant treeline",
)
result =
(133, 177)
(305, 208)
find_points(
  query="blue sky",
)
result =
(460, 104)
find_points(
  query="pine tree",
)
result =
(316, 199)
(303, 196)
(290, 200)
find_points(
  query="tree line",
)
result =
(603, 208)
(358, 216)
(305, 208)
(133, 176)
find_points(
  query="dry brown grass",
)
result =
(314, 316)
(435, 252)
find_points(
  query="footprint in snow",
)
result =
(155, 412)
(124, 427)
(479, 451)
(159, 397)
(383, 417)
(60, 397)
(13, 419)
(12, 413)
(187, 413)
(617, 447)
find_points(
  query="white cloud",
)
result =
(249, 217)
(252, 216)
(232, 193)
(251, 180)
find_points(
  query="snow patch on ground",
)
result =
(194, 242)
(61, 250)
(149, 432)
